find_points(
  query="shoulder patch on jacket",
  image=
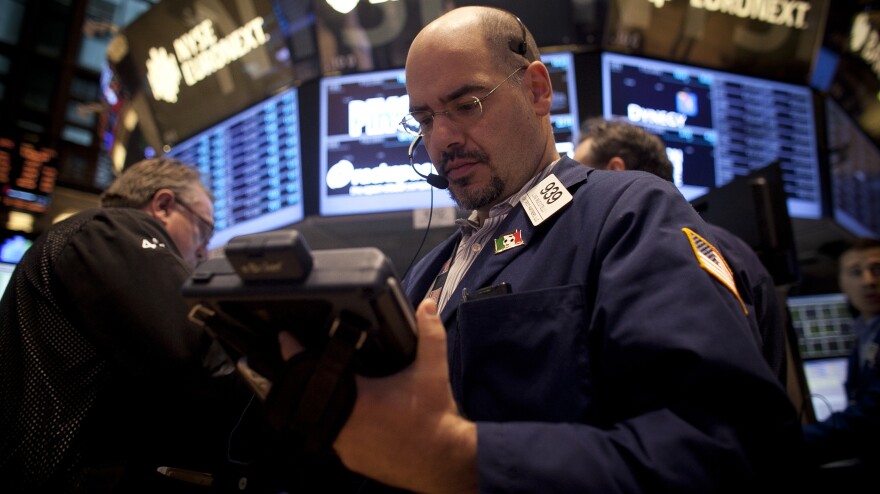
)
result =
(713, 262)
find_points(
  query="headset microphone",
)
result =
(433, 179)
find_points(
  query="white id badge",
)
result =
(545, 199)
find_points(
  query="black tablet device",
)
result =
(271, 282)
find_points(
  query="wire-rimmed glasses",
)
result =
(205, 227)
(470, 109)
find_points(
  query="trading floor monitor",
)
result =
(824, 338)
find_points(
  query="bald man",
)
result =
(578, 334)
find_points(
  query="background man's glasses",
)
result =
(205, 227)
(422, 122)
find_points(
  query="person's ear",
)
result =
(616, 164)
(537, 80)
(160, 205)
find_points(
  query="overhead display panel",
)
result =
(364, 164)
(774, 39)
(200, 61)
(717, 125)
(252, 164)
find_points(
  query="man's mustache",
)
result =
(457, 154)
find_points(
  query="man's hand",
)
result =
(405, 429)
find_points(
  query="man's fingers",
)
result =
(432, 333)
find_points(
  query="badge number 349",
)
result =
(545, 199)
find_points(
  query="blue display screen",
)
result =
(252, 163)
(718, 125)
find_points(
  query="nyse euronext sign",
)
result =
(788, 13)
(198, 54)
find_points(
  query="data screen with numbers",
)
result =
(719, 125)
(252, 164)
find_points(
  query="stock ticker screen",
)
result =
(718, 125)
(252, 164)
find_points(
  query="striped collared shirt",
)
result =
(475, 237)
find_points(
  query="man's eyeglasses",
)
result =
(205, 227)
(422, 122)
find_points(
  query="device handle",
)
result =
(316, 391)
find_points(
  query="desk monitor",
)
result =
(252, 164)
(718, 125)
(825, 382)
(822, 337)
(823, 325)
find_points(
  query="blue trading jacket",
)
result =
(616, 363)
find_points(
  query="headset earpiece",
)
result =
(519, 46)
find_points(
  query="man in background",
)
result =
(618, 145)
(854, 432)
(103, 380)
